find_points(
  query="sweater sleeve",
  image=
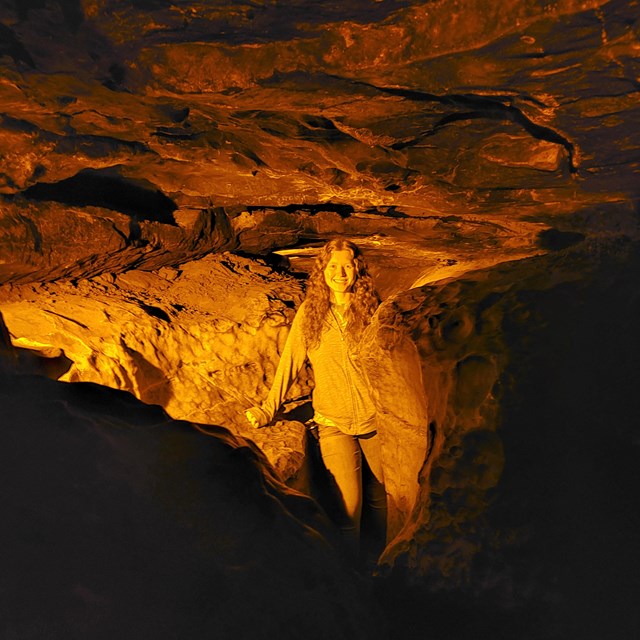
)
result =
(291, 361)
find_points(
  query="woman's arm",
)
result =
(291, 361)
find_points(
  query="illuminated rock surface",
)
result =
(197, 340)
(485, 156)
(138, 116)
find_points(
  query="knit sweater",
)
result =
(341, 395)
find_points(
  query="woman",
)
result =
(339, 304)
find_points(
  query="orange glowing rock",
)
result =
(201, 340)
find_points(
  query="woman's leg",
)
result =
(343, 459)
(374, 531)
(370, 444)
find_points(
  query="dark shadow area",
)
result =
(260, 22)
(570, 430)
(298, 127)
(343, 210)
(121, 523)
(12, 47)
(105, 189)
(155, 312)
(50, 365)
(556, 240)
(72, 11)
(388, 212)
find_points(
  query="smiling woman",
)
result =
(340, 274)
(340, 303)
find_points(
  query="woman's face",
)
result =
(340, 272)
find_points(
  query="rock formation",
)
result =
(198, 340)
(128, 120)
(167, 172)
(119, 522)
(523, 498)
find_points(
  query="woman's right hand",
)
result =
(251, 418)
(256, 417)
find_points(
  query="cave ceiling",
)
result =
(463, 133)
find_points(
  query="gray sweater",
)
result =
(341, 395)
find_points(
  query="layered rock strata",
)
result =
(137, 122)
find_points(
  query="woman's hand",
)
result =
(257, 417)
(251, 418)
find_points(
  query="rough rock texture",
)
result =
(201, 340)
(520, 116)
(392, 364)
(119, 522)
(492, 145)
(524, 508)
(506, 412)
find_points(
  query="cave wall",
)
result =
(120, 522)
(201, 340)
(507, 415)
(524, 509)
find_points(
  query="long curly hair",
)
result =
(363, 303)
